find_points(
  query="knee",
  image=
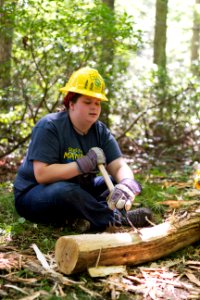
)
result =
(62, 189)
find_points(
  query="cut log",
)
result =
(76, 253)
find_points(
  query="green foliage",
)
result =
(155, 189)
(164, 116)
(54, 39)
(6, 203)
(11, 136)
(51, 40)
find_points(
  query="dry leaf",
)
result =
(179, 185)
(178, 203)
(192, 278)
(9, 261)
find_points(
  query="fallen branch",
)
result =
(79, 252)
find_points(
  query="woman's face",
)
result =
(86, 109)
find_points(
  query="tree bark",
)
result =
(107, 57)
(79, 252)
(7, 22)
(110, 3)
(160, 36)
(195, 38)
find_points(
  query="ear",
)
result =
(71, 105)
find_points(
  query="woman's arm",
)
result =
(45, 173)
(119, 170)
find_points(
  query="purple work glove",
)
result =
(89, 162)
(124, 194)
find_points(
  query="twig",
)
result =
(98, 258)
(16, 288)
(40, 257)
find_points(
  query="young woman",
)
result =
(57, 182)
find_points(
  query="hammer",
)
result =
(110, 186)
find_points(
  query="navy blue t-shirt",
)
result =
(54, 140)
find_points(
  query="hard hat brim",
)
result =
(85, 92)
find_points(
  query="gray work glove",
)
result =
(124, 194)
(89, 162)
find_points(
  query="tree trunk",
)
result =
(160, 36)
(107, 57)
(79, 252)
(6, 20)
(195, 38)
(110, 3)
(159, 58)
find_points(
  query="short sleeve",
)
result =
(44, 145)
(108, 143)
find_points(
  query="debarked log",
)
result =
(77, 253)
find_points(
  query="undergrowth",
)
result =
(157, 186)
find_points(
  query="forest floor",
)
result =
(22, 271)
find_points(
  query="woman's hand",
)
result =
(124, 194)
(89, 162)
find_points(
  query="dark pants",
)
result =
(61, 201)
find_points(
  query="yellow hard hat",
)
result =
(86, 81)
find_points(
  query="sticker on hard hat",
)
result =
(97, 82)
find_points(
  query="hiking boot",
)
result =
(81, 225)
(138, 217)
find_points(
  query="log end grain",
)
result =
(66, 254)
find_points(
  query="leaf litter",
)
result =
(165, 279)
(26, 274)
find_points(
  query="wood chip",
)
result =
(102, 271)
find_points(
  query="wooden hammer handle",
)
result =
(106, 177)
(110, 186)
